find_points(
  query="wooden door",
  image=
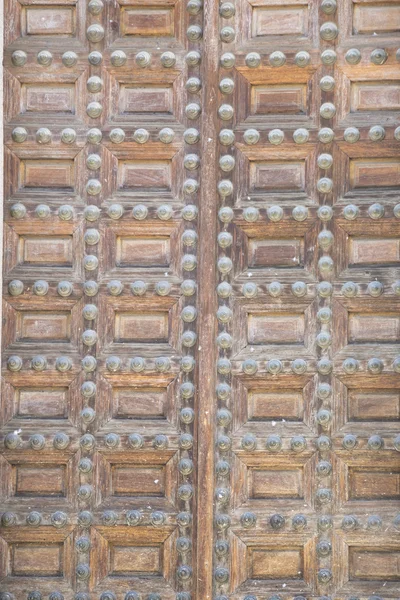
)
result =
(201, 364)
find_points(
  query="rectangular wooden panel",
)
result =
(276, 564)
(376, 18)
(135, 560)
(276, 253)
(277, 176)
(37, 560)
(374, 564)
(134, 251)
(378, 95)
(279, 20)
(276, 483)
(48, 98)
(374, 405)
(45, 326)
(140, 174)
(42, 403)
(47, 173)
(145, 99)
(373, 251)
(378, 172)
(39, 480)
(45, 250)
(50, 20)
(139, 403)
(147, 21)
(135, 480)
(141, 327)
(374, 328)
(271, 99)
(270, 328)
(374, 485)
(265, 406)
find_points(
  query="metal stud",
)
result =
(193, 58)
(95, 33)
(227, 34)
(302, 59)
(140, 212)
(33, 519)
(379, 56)
(328, 57)
(249, 442)
(19, 58)
(135, 441)
(251, 137)
(275, 213)
(353, 56)
(328, 6)
(328, 31)
(94, 84)
(143, 59)
(12, 441)
(94, 136)
(251, 214)
(168, 59)
(15, 287)
(95, 7)
(274, 289)
(59, 519)
(301, 136)
(277, 521)
(253, 60)
(376, 133)
(39, 363)
(375, 366)
(118, 58)
(63, 364)
(19, 135)
(44, 58)
(327, 83)
(277, 59)
(194, 33)
(43, 135)
(227, 60)
(95, 58)
(326, 135)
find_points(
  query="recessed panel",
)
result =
(48, 98)
(135, 560)
(276, 253)
(36, 560)
(273, 99)
(374, 251)
(141, 327)
(275, 329)
(276, 564)
(131, 403)
(50, 20)
(377, 172)
(374, 328)
(374, 485)
(377, 95)
(39, 480)
(144, 175)
(265, 406)
(134, 251)
(45, 250)
(374, 564)
(45, 326)
(54, 174)
(267, 483)
(277, 176)
(147, 21)
(374, 405)
(135, 480)
(375, 18)
(280, 20)
(42, 403)
(145, 99)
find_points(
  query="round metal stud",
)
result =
(350, 365)
(19, 58)
(253, 60)
(160, 442)
(44, 58)
(118, 58)
(39, 363)
(193, 58)
(375, 366)
(194, 33)
(90, 288)
(379, 56)
(273, 443)
(276, 137)
(61, 441)
(298, 443)
(141, 136)
(8, 519)
(135, 441)
(40, 287)
(374, 522)
(37, 441)
(94, 84)
(227, 60)
(277, 59)
(301, 136)
(351, 135)
(227, 10)
(94, 136)
(251, 214)
(63, 364)
(227, 164)
(275, 213)
(328, 57)
(302, 59)
(164, 212)
(133, 517)
(43, 135)
(375, 288)
(353, 56)
(95, 33)
(227, 34)
(140, 212)
(143, 59)
(95, 58)
(376, 133)
(18, 211)
(299, 522)
(33, 519)
(94, 110)
(325, 239)
(327, 83)
(157, 518)
(328, 31)
(274, 289)
(249, 442)
(251, 137)
(299, 289)
(12, 441)
(95, 7)
(375, 442)
(19, 135)
(349, 441)
(168, 59)
(327, 110)
(325, 161)
(277, 521)
(325, 185)
(59, 519)
(328, 6)
(15, 287)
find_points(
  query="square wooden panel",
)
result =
(375, 18)
(148, 477)
(268, 483)
(46, 559)
(276, 253)
(366, 561)
(374, 174)
(267, 563)
(146, 554)
(45, 251)
(47, 174)
(141, 327)
(278, 328)
(49, 20)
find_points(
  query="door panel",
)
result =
(200, 367)
(100, 296)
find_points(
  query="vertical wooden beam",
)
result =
(207, 305)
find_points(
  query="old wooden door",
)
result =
(201, 371)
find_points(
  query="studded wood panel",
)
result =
(306, 477)
(100, 299)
